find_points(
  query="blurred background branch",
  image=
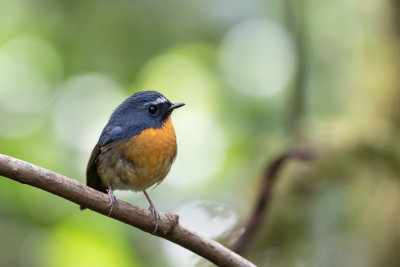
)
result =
(169, 227)
(260, 210)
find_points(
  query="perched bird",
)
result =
(136, 148)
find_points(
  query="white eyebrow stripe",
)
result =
(160, 100)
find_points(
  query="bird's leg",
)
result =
(153, 210)
(112, 200)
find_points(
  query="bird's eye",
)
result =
(153, 109)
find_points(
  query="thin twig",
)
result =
(264, 199)
(169, 227)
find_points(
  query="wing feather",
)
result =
(93, 179)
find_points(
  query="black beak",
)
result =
(176, 105)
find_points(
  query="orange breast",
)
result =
(151, 154)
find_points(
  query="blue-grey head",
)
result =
(142, 110)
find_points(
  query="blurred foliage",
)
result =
(258, 77)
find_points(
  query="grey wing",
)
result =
(93, 179)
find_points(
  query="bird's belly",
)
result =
(141, 161)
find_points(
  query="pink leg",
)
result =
(153, 210)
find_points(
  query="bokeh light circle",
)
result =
(208, 218)
(182, 76)
(201, 149)
(83, 107)
(30, 69)
(257, 57)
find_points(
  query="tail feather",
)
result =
(93, 179)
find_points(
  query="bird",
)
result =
(136, 148)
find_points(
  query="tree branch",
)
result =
(264, 198)
(169, 227)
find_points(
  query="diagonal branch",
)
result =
(169, 227)
(266, 189)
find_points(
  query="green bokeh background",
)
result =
(258, 78)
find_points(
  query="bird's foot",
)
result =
(156, 217)
(154, 212)
(113, 200)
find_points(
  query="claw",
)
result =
(112, 200)
(156, 217)
(154, 212)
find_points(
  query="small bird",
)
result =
(136, 148)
